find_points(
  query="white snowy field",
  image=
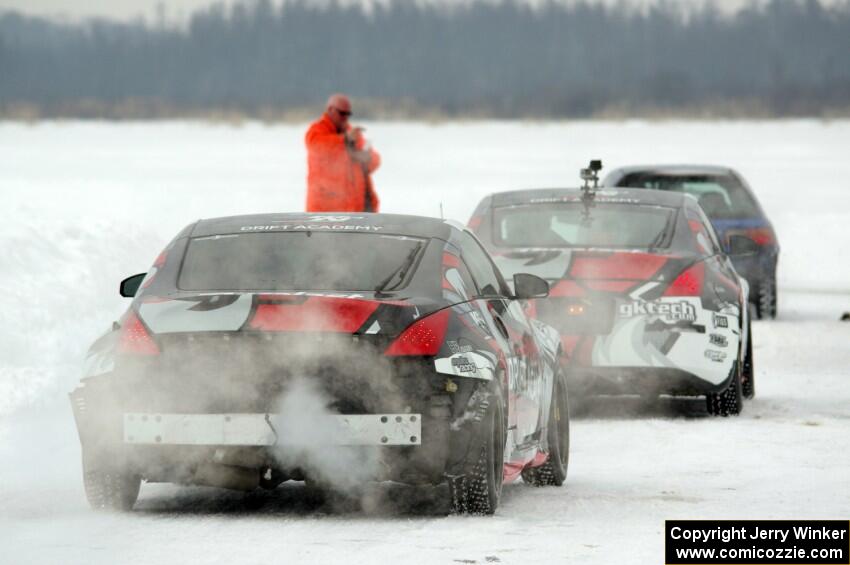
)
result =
(86, 204)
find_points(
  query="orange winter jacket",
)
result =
(335, 181)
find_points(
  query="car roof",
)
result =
(683, 169)
(612, 195)
(356, 222)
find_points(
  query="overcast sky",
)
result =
(178, 10)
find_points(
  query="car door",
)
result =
(522, 358)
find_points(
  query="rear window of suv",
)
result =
(576, 225)
(298, 261)
(721, 196)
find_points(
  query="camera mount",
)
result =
(591, 173)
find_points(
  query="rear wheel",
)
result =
(748, 374)
(766, 298)
(109, 485)
(730, 401)
(479, 489)
(554, 471)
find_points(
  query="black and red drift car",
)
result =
(646, 300)
(404, 325)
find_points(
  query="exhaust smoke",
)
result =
(306, 432)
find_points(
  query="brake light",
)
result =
(762, 236)
(424, 337)
(689, 282)
(134, 338)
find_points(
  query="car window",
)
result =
(701, 230)
(573, 224)
(712, 235)
(456, 276)
(487, 277)
(721, 196)
(298, 261)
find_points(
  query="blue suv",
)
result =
(732, 208)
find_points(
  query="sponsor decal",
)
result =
(600, 196)
(455, 347)
(463, 365)
(334, 219)
(720, 321)
(716, 356)
(271, 295)
(470, 365)
(668, 311)
(304, 227)
(718, 340)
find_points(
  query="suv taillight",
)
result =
(134, 338)
(423, 337)
(762, 236)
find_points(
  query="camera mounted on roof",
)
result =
(591, 173)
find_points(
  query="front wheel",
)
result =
(479, 489)
(554, 471)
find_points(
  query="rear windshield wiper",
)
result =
(661, 237)
(401, 271)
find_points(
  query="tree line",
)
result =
(497, 59)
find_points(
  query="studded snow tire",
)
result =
(730, 401)
(479, 489)
(554, 471)
(748, 373)
(110, 487)
(766, 298)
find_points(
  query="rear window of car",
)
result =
(578, 225)
(298, 261)
(721, 196)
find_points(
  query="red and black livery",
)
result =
(644, 297)
(393, 318)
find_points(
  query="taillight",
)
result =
(762, 236)
(134, 338)
(688, 283)
(424, 337)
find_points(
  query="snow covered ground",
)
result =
(86, 204)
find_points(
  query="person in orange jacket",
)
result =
(339, 163)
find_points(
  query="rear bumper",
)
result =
(420, 446)
(660, 343)
(639, 380)
(260, 430)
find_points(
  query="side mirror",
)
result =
(742, 246)
(130, 286)
(529, 286)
